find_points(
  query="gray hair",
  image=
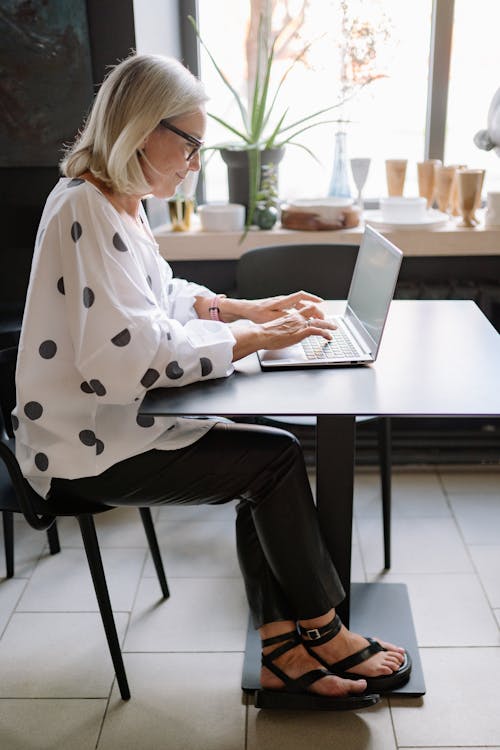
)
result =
(137, 93)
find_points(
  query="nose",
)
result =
(194, 164)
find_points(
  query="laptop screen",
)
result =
(373, 283)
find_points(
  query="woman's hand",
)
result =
(273, 308)
(261, 310)
(289, 329)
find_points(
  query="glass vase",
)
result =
(339, 183)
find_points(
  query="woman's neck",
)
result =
(128, 204)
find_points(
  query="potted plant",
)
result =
(259, 139)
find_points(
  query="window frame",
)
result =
(439, 69)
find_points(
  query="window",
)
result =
(474, 78)
(387, 118)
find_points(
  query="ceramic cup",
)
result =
(444, 183)
(395, 170)
(222, 217)
(469, 187)
(426, 171)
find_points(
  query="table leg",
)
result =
(335, 445)
(371, 608)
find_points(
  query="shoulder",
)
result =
(73, 192)
(75, 203)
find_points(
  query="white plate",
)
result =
(431, 220)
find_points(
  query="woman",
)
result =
(105, 321)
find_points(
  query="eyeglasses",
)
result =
(195, 142)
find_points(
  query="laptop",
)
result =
(356, 340)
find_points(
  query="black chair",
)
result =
(325, 270)
(10, 329)
(9, 506)
(41, 514)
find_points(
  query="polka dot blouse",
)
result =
(104, 322)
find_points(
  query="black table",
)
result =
(437, 359)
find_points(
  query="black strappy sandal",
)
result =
(294, 696)
(383, 683)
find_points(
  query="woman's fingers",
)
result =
(318, 327)
(292, 300)
(310, 310)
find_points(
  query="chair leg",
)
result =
(149, 528)
(89, 536)
(8, 537)
(385, 459)
(53, 539)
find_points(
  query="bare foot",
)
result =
(346, 643)
(297, 662)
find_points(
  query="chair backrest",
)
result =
(325, 270)
(30, 504)
(8, 361)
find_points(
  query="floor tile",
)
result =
(195, 548)
(50, 724)
(202, 614)
(478, 516)
(438, 602)
(121, 527)
(487, 561)
(29, 545)
(470, 482)
(461, 704)
(10, 593)
(370, 729)
(62, 583)
(414, 494)
(64, 655)
(224, 512)
(357, 569)
(419, 545)
(179, 702)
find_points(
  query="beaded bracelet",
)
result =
(214, 308)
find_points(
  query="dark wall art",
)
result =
(45, 79)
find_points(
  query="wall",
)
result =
(27, 174)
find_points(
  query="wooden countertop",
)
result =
(447, 239)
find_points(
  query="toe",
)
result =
(355, 686)
(391, 647)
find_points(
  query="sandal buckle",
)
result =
(313, 634)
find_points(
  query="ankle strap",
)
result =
(324, 633)
(292, 635)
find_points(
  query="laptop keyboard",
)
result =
(316, 347)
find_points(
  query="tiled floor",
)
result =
(184, 656)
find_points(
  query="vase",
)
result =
(236, 161)
(339, 183)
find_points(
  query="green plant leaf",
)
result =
(241, 135)
(282, 79)
(270, 141)
(308, 127)
(314, 114)
(259, 115)
(253, 180)
(301, 145)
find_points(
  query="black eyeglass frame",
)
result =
(196, 142)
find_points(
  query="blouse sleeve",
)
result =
(124, 342)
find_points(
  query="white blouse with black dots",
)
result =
(104, 321)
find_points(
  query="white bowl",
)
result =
(222, 217)
(400, 209)
(328, 209)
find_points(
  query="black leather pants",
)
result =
(287, 571)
